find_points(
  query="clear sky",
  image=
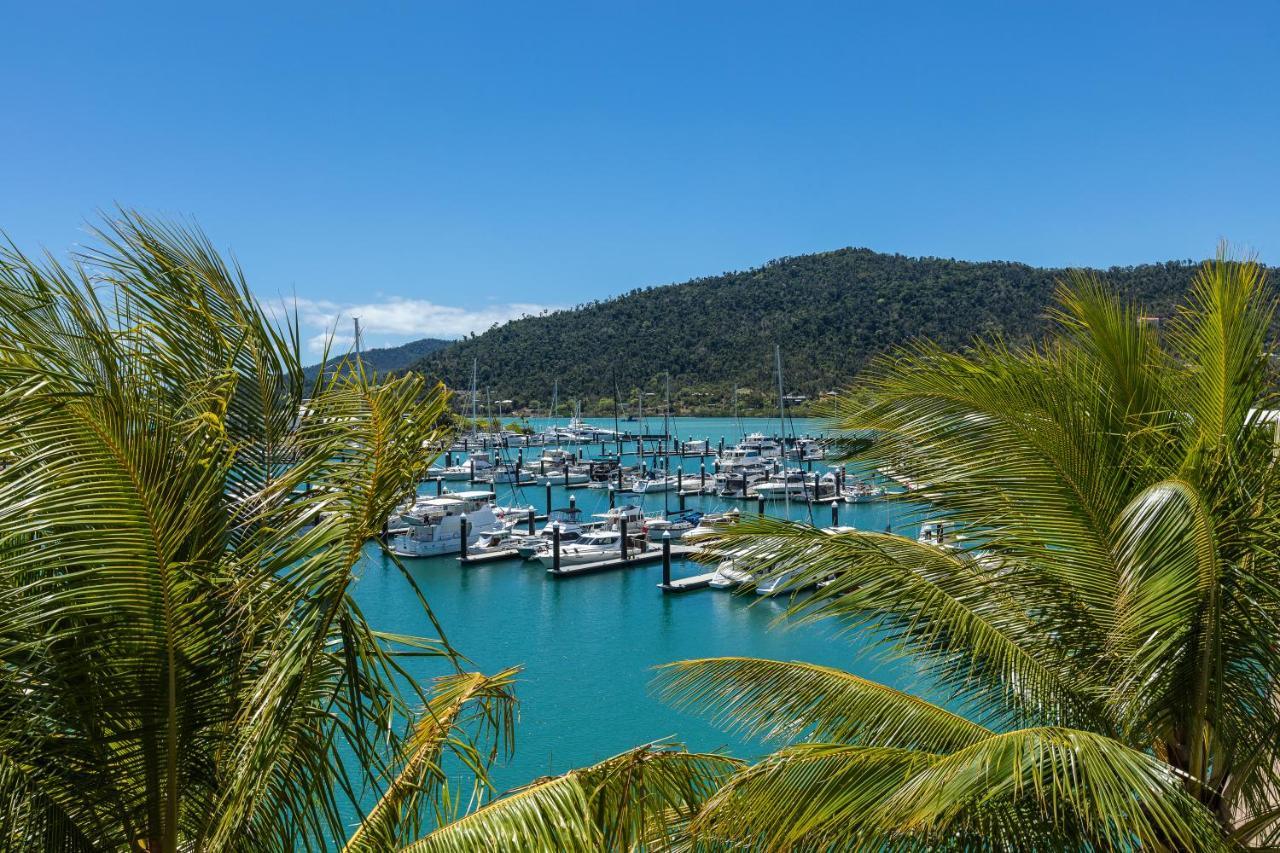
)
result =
(437, 167)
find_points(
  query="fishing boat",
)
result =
(434, 526)
(592, 547)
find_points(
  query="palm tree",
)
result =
(1102, 639)
(182, 665)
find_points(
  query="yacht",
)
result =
(592, 547)
(862, 492)
(631, 513)
(676, 525)
(785, 581)
(492, 542)
(655, 484)
(695, 447)
(434, 525)
(766, 447)
(807, 450)
(507, 472)
(571, 529)
(710, 524)
(789, 484)
(476, 465)
(563, 477)
(941, 534)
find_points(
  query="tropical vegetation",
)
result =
(1102, 638)
(831, 313)
(183, 666)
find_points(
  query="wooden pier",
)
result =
(652, 555)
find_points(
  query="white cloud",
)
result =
(399, 319)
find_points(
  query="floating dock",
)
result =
(652, 555)
(488, 557)
(688, 584)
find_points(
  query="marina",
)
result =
(589, 636)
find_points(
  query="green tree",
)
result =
(183, 665)
(1105, 633)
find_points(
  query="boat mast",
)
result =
(475, 426)
(782, 422)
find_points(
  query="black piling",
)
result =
(612, 497)
(622, 528)
(835, 513)
(548, 500)
(463, 547)
(555, 547)
(532, 520)
(666, 559)
(702, 478)
(439, 486)
(759, 503)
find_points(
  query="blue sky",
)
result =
(437, 167)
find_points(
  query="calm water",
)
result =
(588, 644)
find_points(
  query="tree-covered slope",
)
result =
(389, 359)
(829, 312)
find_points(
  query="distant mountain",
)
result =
(389, 358)
(829, 312)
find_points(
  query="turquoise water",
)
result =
(588, 644)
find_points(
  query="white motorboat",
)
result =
(766, 447)
(492, 542)
(476, 466)
(862, 492)
(941, 534)
(785, 581)
(677, 525)
(656, 484)
(729, 576)
(563, 477)
(571, 529)
(434, 525)
(790, 484)
(710, 524)
(695, 447)
(631, 513)
(807, 450)
(507, 472)
(592, 547)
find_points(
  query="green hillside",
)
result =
(389, 358)
(829, 312)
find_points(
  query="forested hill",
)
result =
(829, 312)
(388, 359)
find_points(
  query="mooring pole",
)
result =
(666, 559)
(463, 548)
(612, 499)
(548, 499)
(835, 513)
(439, 486)
(532, 513)
(759, 504)
(555, 547)
(622, 527)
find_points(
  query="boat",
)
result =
(766, 447)
(434, 526)
(571, 528)
(728, 576)
(632, 514)
(563, 477)
(785, 580)
(514, 517)
(654, 484)
(807, 450)
(940, 534)
(492, 542)
(710, 524)
(476, 466)
(592, 547)
(676, 525)
(695, 447)
(862, 492)
(790, 484)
